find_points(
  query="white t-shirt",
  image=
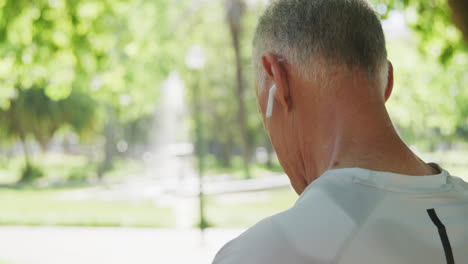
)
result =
(361, 216)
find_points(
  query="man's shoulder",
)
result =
(292, 236)
(460, 184)
(259, 244)
(313, 229)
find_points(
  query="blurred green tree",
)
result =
(234, 15)
(115, 51)
(433, 78)
(97, 47)
(33, 113)
(225, 95)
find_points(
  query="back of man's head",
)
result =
(337, 32)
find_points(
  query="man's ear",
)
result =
(277, 73)
(389, 88)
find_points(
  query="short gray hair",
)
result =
(338, 32)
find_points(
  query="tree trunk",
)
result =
(234, 15)
(223, 139)
(27, 159)
(109, 145)
(43, 145)
(226, 152)
(269, 148)
(67, 145)
(460, 15)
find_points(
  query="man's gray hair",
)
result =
(336, 32)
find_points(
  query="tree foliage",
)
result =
(33, 113)
(97, 66)
(429, 101)
(115, 50)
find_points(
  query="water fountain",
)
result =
(170, 159)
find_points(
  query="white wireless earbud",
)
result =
(271, 97)
(271, 100)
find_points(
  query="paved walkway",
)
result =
(70, 245)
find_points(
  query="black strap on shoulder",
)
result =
(443, 235)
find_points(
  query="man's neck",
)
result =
(362, 137)
(372, 143)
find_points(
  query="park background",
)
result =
(111, 111)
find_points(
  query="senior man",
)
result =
(322, 80)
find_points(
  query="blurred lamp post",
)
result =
(195, 61)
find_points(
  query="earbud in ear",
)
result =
(271, 100)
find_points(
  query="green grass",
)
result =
(66, 168)
(49, 207)
(57, 167)
(75, 168)
(245, 209)
(236, 170)
(27, 205)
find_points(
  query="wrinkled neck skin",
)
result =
(345, 125)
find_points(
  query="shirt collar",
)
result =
(393, 181)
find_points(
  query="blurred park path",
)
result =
(59, 245)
